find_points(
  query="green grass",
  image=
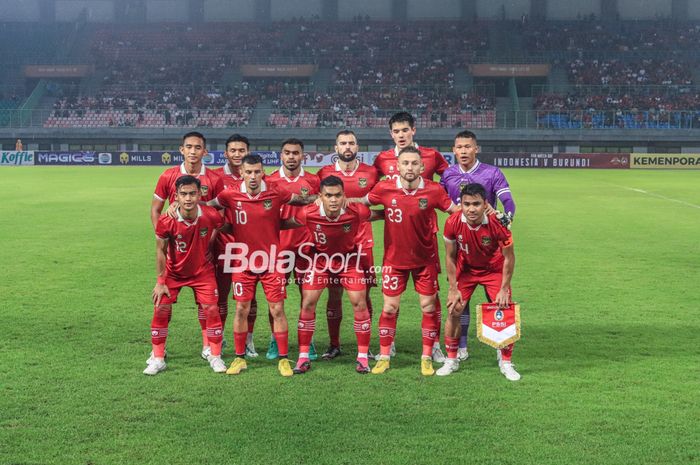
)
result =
(607, 277)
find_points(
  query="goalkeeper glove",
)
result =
(506, 219)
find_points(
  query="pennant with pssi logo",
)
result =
(498, 327)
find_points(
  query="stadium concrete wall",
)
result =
(565, 10)
(98, 11)
(694, 10)
(19, 10)
(435, 9)
(281, 10)
(244, 10)
(376, 10)
(229, 10)
(167, 11)
(644, 9)
(514, 9)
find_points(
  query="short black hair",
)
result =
(465, 135)
(292, 141)
(474, 189)
(186, 180)
(345, 132)
(252, 159)
(409, 149)
(195, 134)
(331, 181)
(402, 117)
(238, 138)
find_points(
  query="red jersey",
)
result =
(188, 242)
(408, 221)
(256, 218)
(356, 183)
(433, 161)
(229, 179)
(304, 184)
(335, 235)
(479, 247)
(211, 181)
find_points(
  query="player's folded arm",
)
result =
(290, 223)
(214, 203)
(299, 200)
(376, 215)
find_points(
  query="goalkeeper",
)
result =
(468, 170)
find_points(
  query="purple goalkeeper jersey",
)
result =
(489, 176)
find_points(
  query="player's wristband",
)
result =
(160, 280)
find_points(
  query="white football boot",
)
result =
(154, 367)
(451, 365)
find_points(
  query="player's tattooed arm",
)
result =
(363, 200)
(156, 209)
(454, 297)
(503, 296)
(290, 223)
(299, 200)
(161, 288)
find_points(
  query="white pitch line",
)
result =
(659, 196)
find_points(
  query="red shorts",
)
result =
(467, 283)
(244, 285)
(424, 280)
(367, 266)
(223, 281)
(204, 287)
(351, 279)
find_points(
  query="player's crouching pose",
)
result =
(478, 251)
(335, 260)
(183, 259)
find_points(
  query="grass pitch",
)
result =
(607, 277)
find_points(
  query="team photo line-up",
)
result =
(226, 229)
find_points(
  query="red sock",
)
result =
(202, 315)
(239, 343)
(159, 328)
(429, 333)
(214, 329)
(282, 338)
(334, 315)
(452, 345)
(305, 331)
(387, 331)
(438, 316)
(223, 313)
(252, 315)
(507, 353)
(363, 332)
